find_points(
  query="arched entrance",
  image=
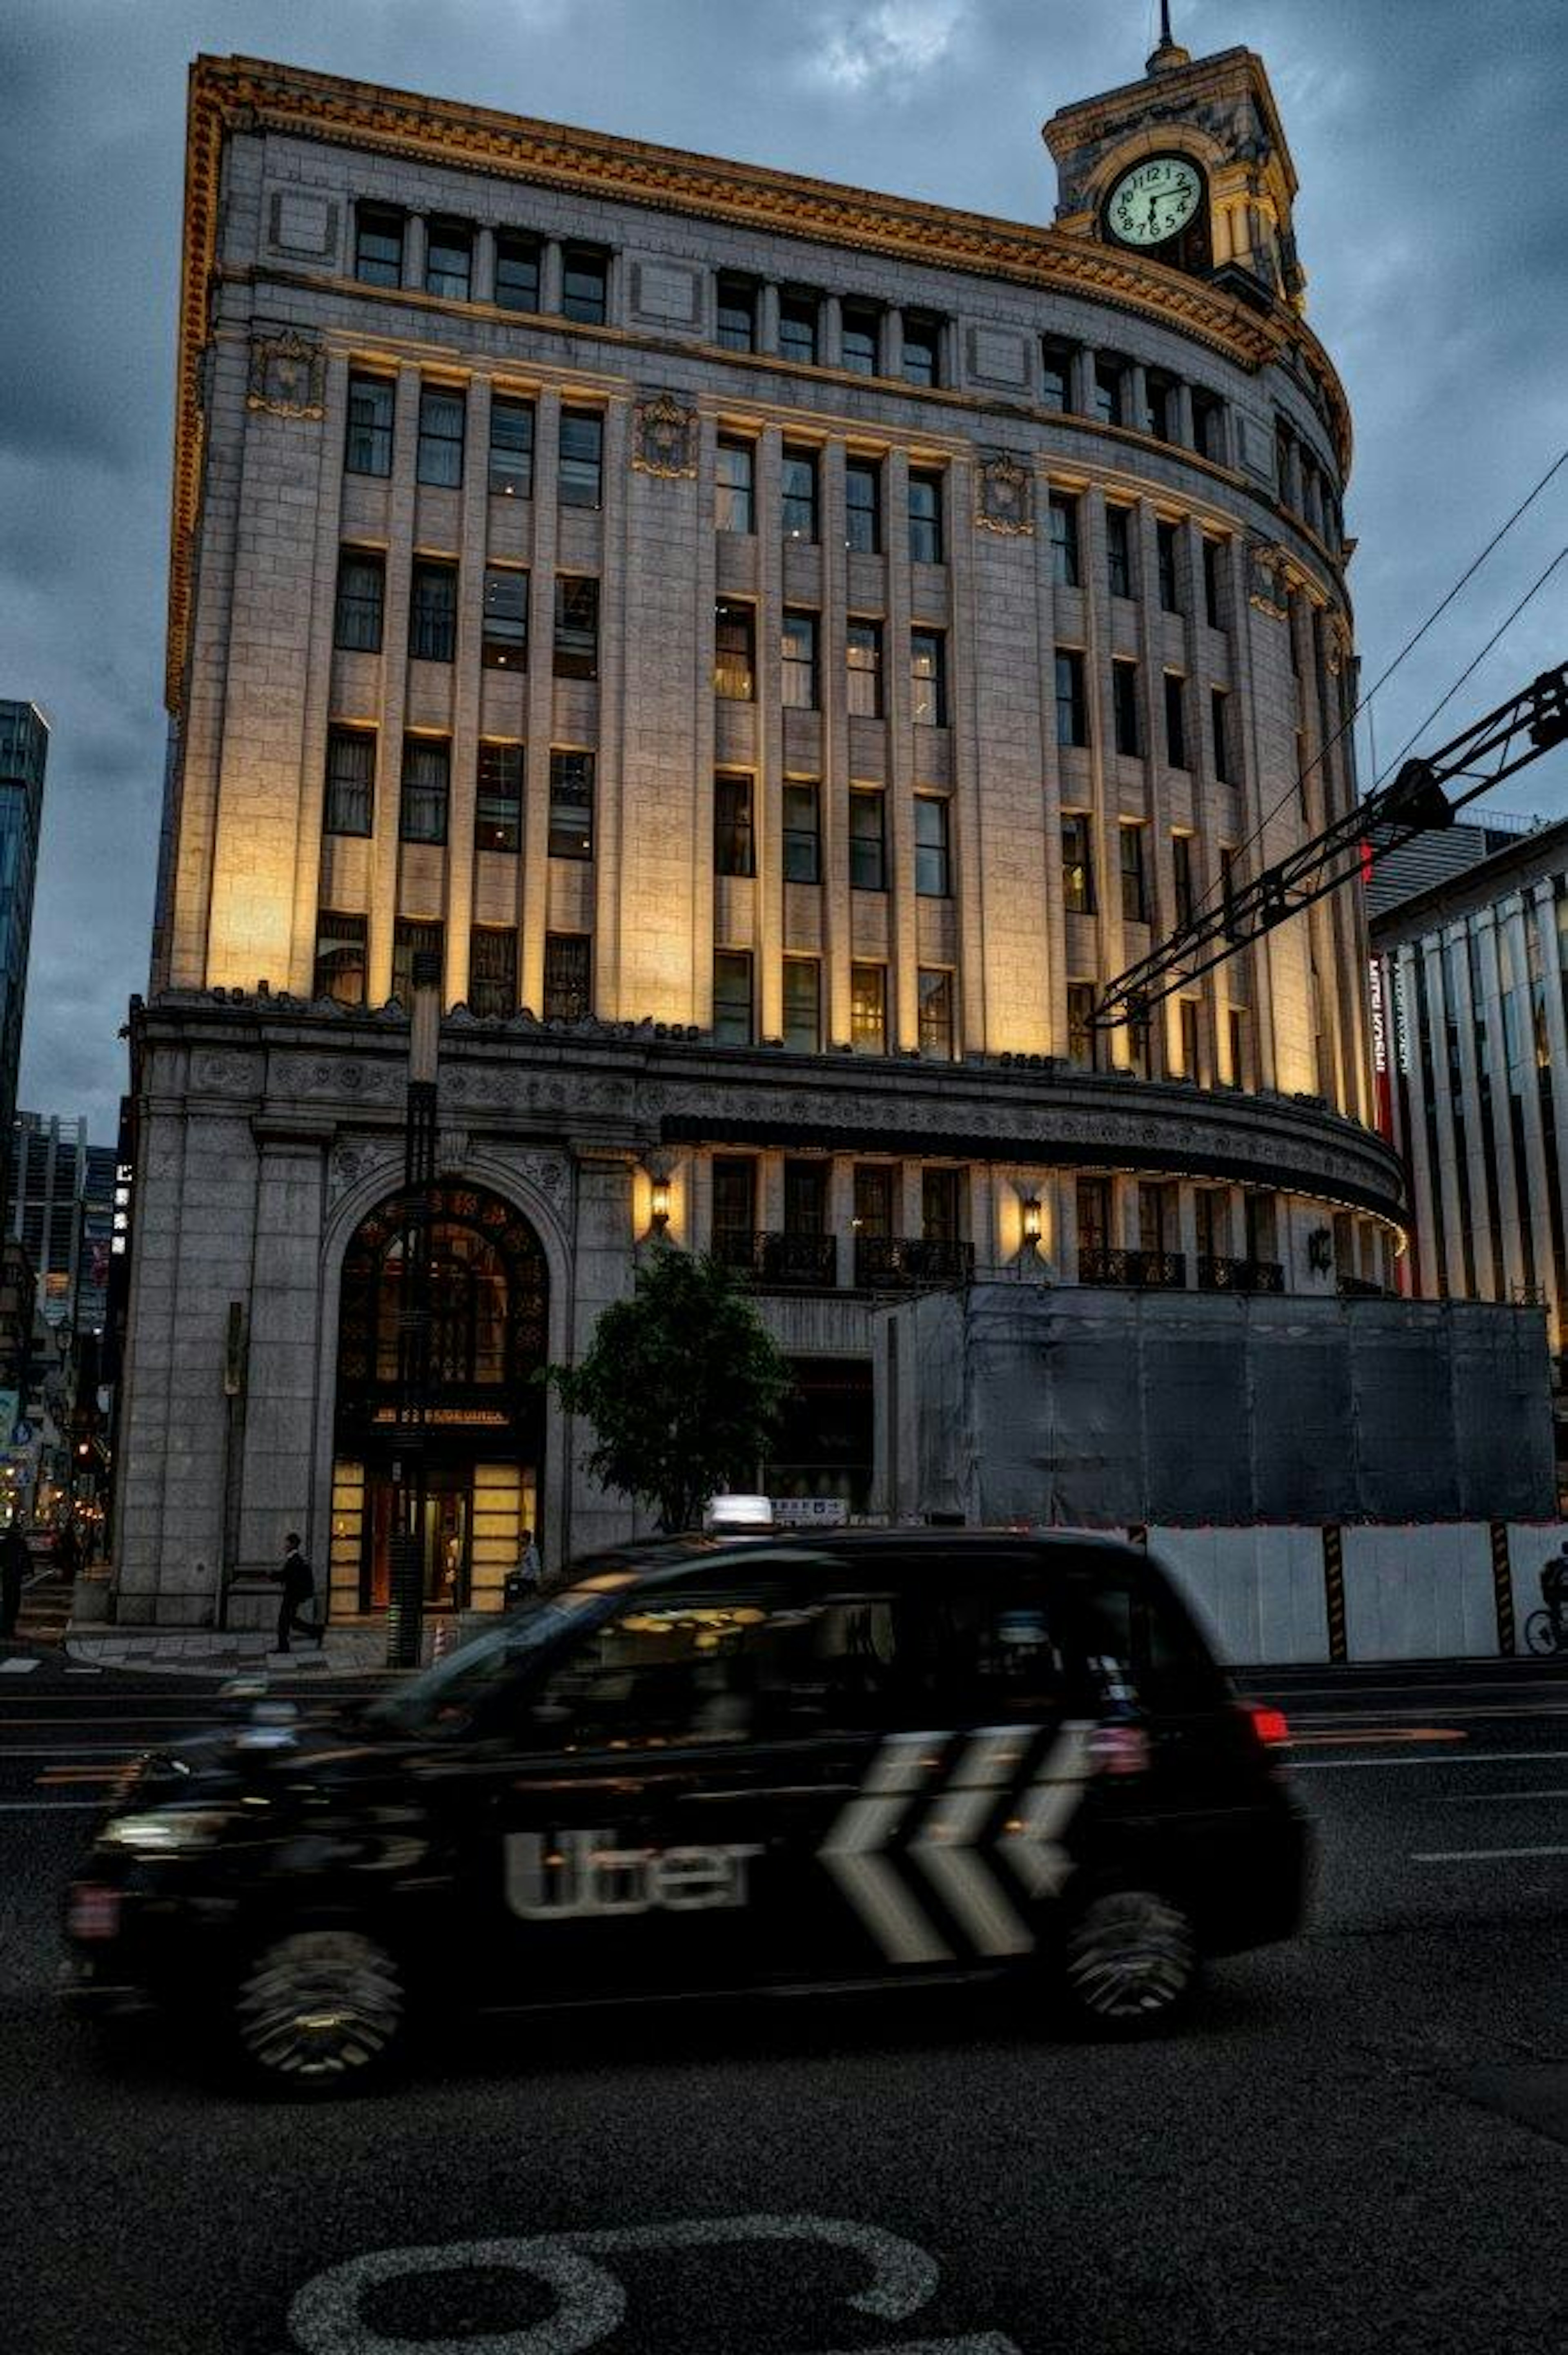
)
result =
(489, 1295)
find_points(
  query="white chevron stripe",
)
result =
(1032, 1843)
(944, 1846)
(852, 1849)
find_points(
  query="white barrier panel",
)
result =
(1420, 1592)
(1258, 1593)
(1529, 1544)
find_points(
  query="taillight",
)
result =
(1119, 1750)
(1270, 1725)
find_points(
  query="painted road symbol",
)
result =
(327, 2315)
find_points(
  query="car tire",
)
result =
(1127, 1962)
(319, 2010)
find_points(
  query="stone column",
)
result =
(279, 1486)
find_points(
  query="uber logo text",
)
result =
(581, 1873)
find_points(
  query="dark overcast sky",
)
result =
(1428, 136)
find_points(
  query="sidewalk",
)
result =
(197, 1651)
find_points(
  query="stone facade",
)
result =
(821, 637)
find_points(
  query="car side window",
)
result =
(1138, 1644)
(978, 1642)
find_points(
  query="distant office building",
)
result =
(61, 1209)
(1434, 856)
(24, 752)
(1473, 1054)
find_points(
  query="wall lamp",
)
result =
(659, 1203)
(1030, 1206)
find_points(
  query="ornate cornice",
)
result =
(243, 94)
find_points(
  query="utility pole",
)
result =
(405, 1613)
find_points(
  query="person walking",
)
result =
(15, 1562)
(298, 1584)
(521, 1584)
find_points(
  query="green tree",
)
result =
(683, 1385)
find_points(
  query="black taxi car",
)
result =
(708, 1765)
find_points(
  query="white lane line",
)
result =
(1431, 1758)
(1478, 1855)
(1490, 1799)
(51, 1807)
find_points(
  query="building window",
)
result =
(939, 1206)
(1072, 705)
(802, 1005)
(1175, 720)
(1213, 608)
(733, 848)
(1063, 515)
(571, 804)
(932, 877)
(368, 447)
(1165, 557)
(1159, 391)
(1077, 864)
(585, 284)
(350, 802)
(735, 650)
(732, 997)
(1110, 388)
(736, 320)
(361, 598)
(1056, 374)
(1187, 1014)
(862, 654)
(1080, 1024)
(735, 1209)
(340, 958)
(798, 493)
(863, 506)
(492, 970)
(567, 976)
(1236, 1031)
(805, 1197)
(735, 486)
(868, 1009)
(378, 245)
(803, 833)
(1209, 425)
(440, 437)
(928, 678)
(448, 260)
(1134, 883)
(800, 651)
(427, 778)
(859, 341)
(936, 1010)
(577, 628)
(511, 448)
(582, 458)
(798, 328)
(433, 611)
(411, 939)
(922, 350)
(498, 798)
(867, 843)
(1220, 718)
(1181, 878)
(1124, 708)
(516, 271)
(503, 642)
(1118, 551)
(925, 520)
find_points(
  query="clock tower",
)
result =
(1189, 168)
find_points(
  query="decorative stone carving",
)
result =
(665, 440)
(1266, 579)
(218, 1075)
(545, 1171)
(1004, 496)
(350, 1163)
(1340, 646)
(288, 375)
(361, 1083)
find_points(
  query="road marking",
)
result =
(51, 1807)
(1490, 1799)
(1478, 1855)
(1444, 1758)
(17, 1668)
(1401, 1734)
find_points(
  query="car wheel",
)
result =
(1129, 1961)
(322, 2010)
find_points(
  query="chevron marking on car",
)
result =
(1031, 1840)
(945, 1847)
(853, 1849)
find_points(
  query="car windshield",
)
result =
(443, 1700)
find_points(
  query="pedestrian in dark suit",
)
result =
(298, 1581)
(16, 1562)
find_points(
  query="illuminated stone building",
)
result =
(783, 649)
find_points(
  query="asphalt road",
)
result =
(1361, 2141)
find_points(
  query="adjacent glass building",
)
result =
(24, 752)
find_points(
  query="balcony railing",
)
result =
(1216, 1274)
(780, 1263)
(1147, 1271)
(902, 1263)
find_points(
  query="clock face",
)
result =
(1154, 200)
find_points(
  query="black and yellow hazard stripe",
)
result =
(1334, 1591)
(1502, 1590)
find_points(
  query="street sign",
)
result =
(21, 1435)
